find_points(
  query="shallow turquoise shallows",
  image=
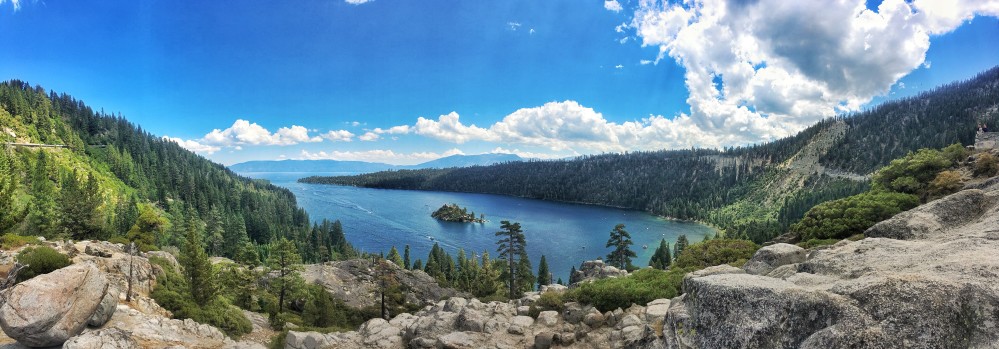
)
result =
(567, 234)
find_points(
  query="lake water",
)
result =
(374, 220)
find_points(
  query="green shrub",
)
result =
(173, 294)
(11, 241)
(913, 172)
(716, 252)
(40, 260)
(550, 300)
(946, 182)
(839, 219)
(641, 287)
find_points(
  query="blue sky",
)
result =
(405, 81)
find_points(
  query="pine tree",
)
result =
(43, 211)
(214, 232)
(661, 257)
(197, 268)
(418, 264)
(405, 258)
(681, 243)
(544, 275)
(486, 282)
(10, 214)
(622, 254)
(525, 275)
(285, 260)
(394, 257)
(512, 244)
(572, 275)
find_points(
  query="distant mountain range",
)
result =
(367, 167)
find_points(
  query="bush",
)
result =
(641, 287)
(550, 300)
(946, 182)
(852, 215)
(813, 243)
(986, 165)
(716, 252)
(10, 241)
(40, 260)
(913, 172)
(172, 293)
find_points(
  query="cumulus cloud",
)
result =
(570, 127)
(194, 146)
(369, 137)
(243, 132)
(764, 69)
(338, 136)
(379, 155)
(613, 5)
(449, 128)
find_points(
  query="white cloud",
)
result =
(645, 62)
(379, 155)
(618, 66)
(765, 69)
(532, 31)
(338, 136)
(243, 132)
(513, 25)
(194, 146)
(15, 3)
(613, 5)
(528, 155)
(569, 126)
(395, 130)
(357, 2)
(369, 137)
(294, 135)
(449, 128)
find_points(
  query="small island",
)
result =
(454, 213)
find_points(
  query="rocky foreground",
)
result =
(927, 278)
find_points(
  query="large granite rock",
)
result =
(928, 278)
(768, 258)
(594, 270)
(49, 309)
(113, 338)
(355, 282)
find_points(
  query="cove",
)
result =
(567, 234)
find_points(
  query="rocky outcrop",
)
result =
(594, 270)
(49, 309)
(113, 338)
(463, 323)
(926, 278)
(768, 258)
(355, 282)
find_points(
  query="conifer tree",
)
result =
(405, 258)
(511, 245)
(285, 260)
(681, 243)
(9, 213)
(486, 280)
(544, 275)
(42, 215)
(620, 240)
(394, 257)
(197, 268)
(661, 257)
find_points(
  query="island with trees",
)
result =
(455, 213)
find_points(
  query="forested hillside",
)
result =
(123, 175)
(752, 192)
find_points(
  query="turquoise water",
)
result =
(374, 220)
